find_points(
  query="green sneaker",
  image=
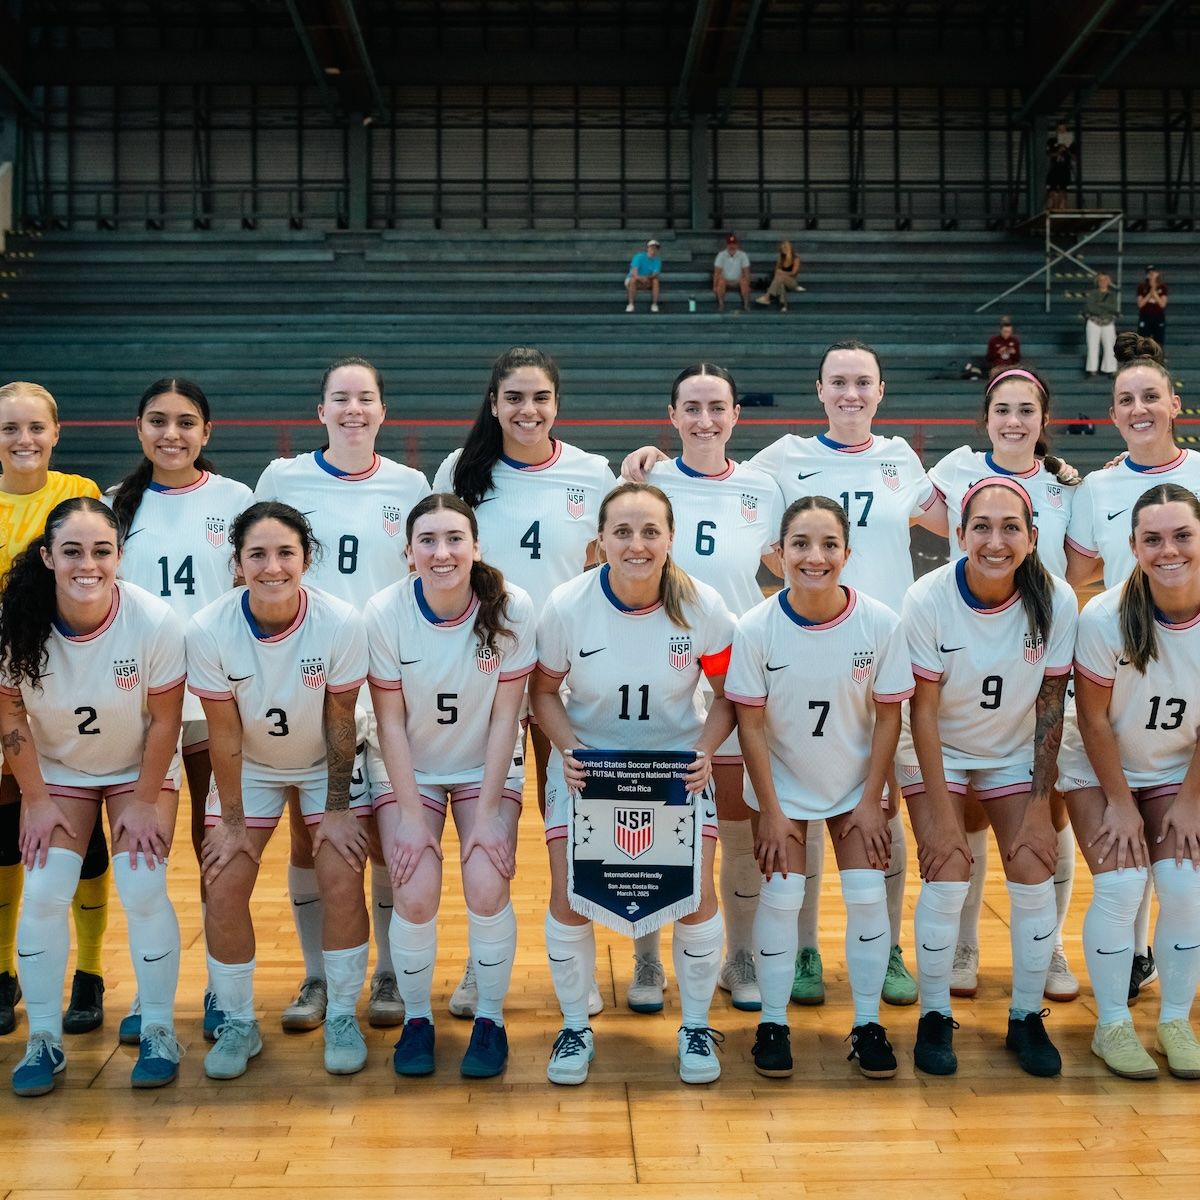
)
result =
(899, 987)
(808, 987)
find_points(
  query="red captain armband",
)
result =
(716, 664)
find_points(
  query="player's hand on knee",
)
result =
(1039, 837)
(1182, 819)
(39, 820)
(139, 825)
(412, 838)
(492, 836)
(771, 843)
(344, 832)
(223, 842)
(1121, 832)
(870, 819)
(939, 847)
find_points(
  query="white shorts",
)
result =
(105, 791)
(803, 808)
(194, 737)
(988, 783)
(264, 801)
(1075, 771)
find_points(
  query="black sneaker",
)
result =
(869, 1044)
(10, 993)
(933, 1051)
(1144, 971)
(414, 1051)
(772, 1050)
(86, 1009)
(487, 1053)
(1028, 1040)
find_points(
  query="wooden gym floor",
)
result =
(288, 1131)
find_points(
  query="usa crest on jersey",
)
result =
(126, 674)
(312, 672)
(633, 830)
(487, 660)
(891, 475)
(679, 653)
(392, 519)
(1034, 648)
(1054, 495)
(749, 508)
(214, 530)
(861, 665)
(575, 502)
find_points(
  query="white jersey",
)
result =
(1102, 517)
(359, 519)
(724, 524)
(987, 663)
(881, 485)
(278, 682)
(1052, 500)
(632, 674)
(820, 684)
(89, 715)
(449, 681)
(536, 523)
(178, 547)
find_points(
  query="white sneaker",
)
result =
(698, 1062)
(645, 994)
(654, 308)
(595, 1000)
(739, 979)
(570, 1057)
(466, 996)
(1061, 984)
(307, 1011)
(237, 1043)
(386, 1007)
(629, 308)
(345, 1047)
(964, 974)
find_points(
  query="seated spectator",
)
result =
(1100, 313)
(1003, 348)
(731, 268)
(787, 268)
(645, 270)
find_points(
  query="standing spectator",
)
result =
(1060, 158)
(731, 268)
(1152, 306)
(1100, 313)
(645, 268)
(1003, 348)
(784, 280)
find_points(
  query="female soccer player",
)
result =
(91, 691)
(991, 638)
(175, 512)
(817, 676)
(1133, 779)
(536, 499)
(632, 641)
(29, 431)
(356, 502)
(451, 647)
(277, 667)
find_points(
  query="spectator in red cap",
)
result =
(731, 268)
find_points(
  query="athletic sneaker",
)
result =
(1028, 1040)
(654, 308)
(899, 987)
(129, 1032)
(214, 1018)
(808, 984)
(645, 994)
(629, 308)
(1117, 1044)
(772, 1051)
(1176, 1040)
(964, 974)
(595, 1000)
(1061, 984)
(487, 1054)
(739, 978)
(465, 997)
(44, 1058)
(10, 993)
(570, 1056)
(85, 1011)
(869, 1044)
(158, 1058)
(385, 1009)
(1143, 972)
(345, 1047)
(933, 1051)
(697, 1061)
(414, 1051)
(307, 1011)
(237, 1043)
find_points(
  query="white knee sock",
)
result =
(776, 941)
(381, 918)
(1108, 939)
(208, 983)
(935, 926)
(968, 926)
(345, 971)
(1177, 936)
(739, 883)
(44, 940)
(153, 937)
(414, 951)
(867, 944)
(308, 911)
(648, 945)
(696, 951)
(571, 950)
(493, 942)
(233, 985)
(808, 925)
(895, 878)
(1031, 932)
(1064, 880)
(1141, 929)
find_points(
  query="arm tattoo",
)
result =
(339, 758)
(12, 742)
(1048, 732)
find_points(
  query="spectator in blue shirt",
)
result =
(645, 269)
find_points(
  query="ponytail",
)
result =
(492, 615)
(677, 589)
(1135, 612)
(1037, 594)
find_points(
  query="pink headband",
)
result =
(1015, 373)
(996, 481)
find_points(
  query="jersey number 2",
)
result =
(88, 724)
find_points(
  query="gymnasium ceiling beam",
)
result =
(11, 77)
(332, 44)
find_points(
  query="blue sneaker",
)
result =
(158, 1058)
(214, 1018)
(487, 1055)
(44, 1058)
(414, 1050)
(129, 1032)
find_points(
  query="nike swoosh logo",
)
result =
(809, 475)
(302, 903)
(871, 939)
(778, 668)
(408, 662)
(949, 649)
(1114, 516)
(92, 907)
(589, 653)
(688, 954)
(382, 905)
(1125, 951)
(31, 954)
(1195, 947)
(569, 958)
(934, 949)
(768, 953)
(239, 678)
(498, 963)
(1043, 937)
(159, 958)
(419, 970)
(746, 896)
(1122, 662)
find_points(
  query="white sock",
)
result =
(208, 983)
(44, 940)
(1141, 931)
(814, 871)
(739, 883)
(493, 943)
(345, 971)
(935, 926)
(233, 985)
(571, 950)
(381, 918)
(776, 941)
(153, 937)
(648, 945)
(1108, 931)
(1064, 880)
(867, 944)
(308, 911)
(414, 951)
(696, 951)
(895, 878)
(1177, 936)
(968, 927)
(1031, 932)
